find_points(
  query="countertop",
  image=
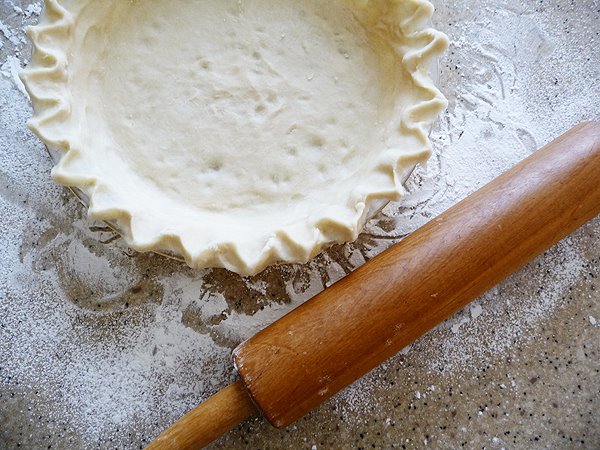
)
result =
(102, 347)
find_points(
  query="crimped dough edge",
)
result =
(47, 82)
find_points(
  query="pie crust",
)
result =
(235, 133)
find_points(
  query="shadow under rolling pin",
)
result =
(338, 336)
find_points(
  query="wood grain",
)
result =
(207, 422)
(337, 337)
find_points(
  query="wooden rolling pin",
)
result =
(341, 334)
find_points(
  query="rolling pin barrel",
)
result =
(323, 346)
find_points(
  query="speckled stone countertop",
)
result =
(101, 347)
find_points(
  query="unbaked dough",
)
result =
(235, 133)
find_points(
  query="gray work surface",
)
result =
(101, 347)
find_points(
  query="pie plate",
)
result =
(235, 134)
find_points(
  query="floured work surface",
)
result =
(100, 346)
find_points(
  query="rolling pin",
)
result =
(335, 338)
